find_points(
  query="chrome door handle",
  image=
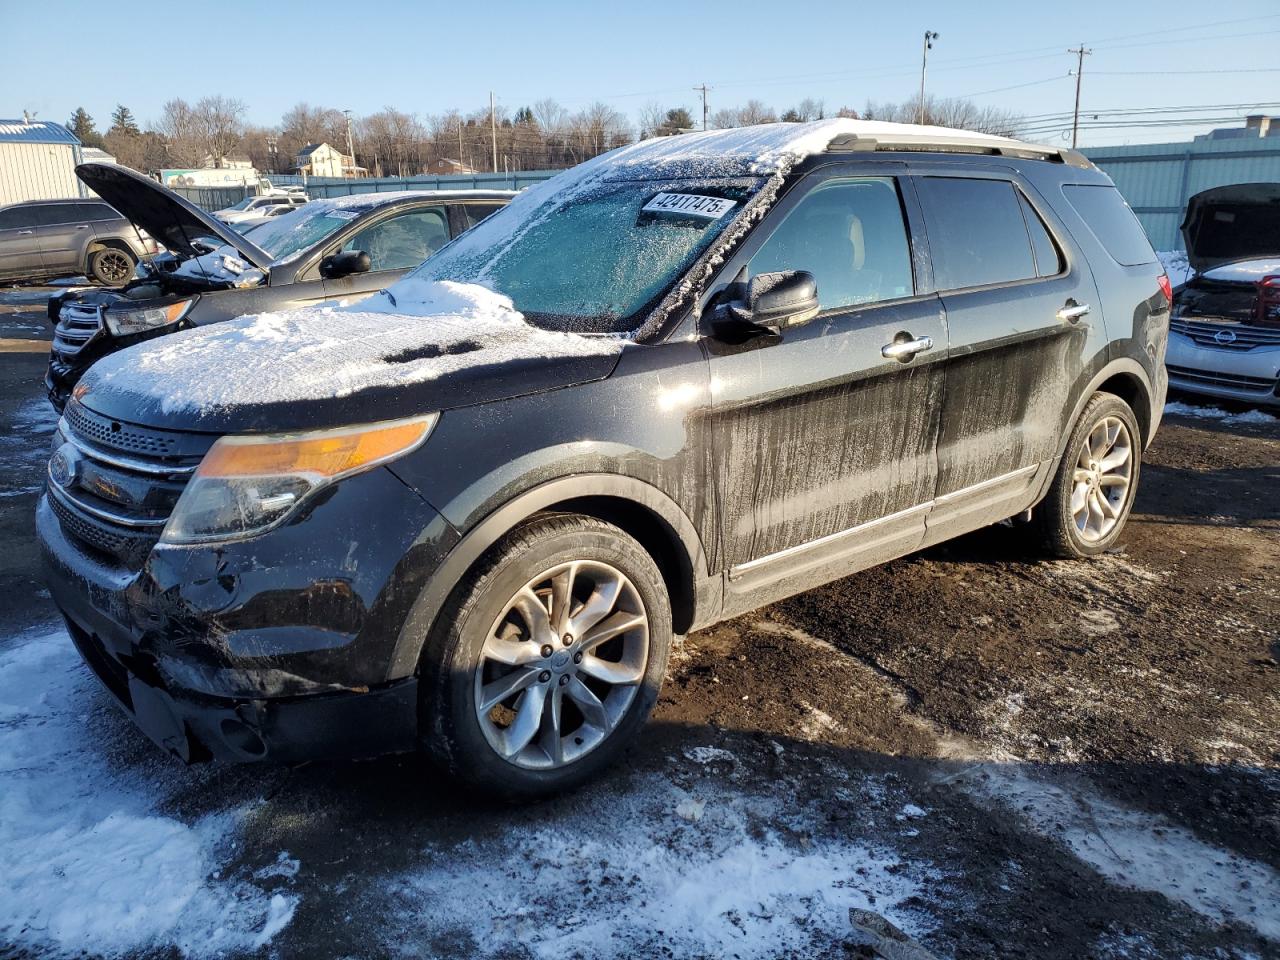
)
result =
(1073, 312)
(83, 226)
(906, 349)
(25, 233)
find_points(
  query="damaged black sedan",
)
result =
(343, 248)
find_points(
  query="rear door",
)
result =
(1021, 323)
(395, 243)
(19, 244)
(64, 234)
(826, 446)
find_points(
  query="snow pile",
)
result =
(652, 871)
(87, 864)
(423, 331)
(1134, 849)
(1179, 409)
(221, 266)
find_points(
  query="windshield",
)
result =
(593, 261)
(290, 233)
(243, 204)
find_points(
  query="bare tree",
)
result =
(219, 123)
(181, 132)
(959, 114)
(810, 109)
(651, 116)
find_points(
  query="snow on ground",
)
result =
(87, 860)
(424, 331)
(1133, 848)
(25, 448)
(1179, 409)
(651, 869)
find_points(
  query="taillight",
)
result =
(1166, 287)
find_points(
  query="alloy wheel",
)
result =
(1102, 479)
(561, 664)
(114, 267)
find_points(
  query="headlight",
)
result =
(246, 484)
(124, 322)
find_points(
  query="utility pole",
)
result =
(929, 37)
(1080, 53)
(493, 130)
(351, 150)
(704, 88)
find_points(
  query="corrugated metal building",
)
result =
(37, 161)
(1158, 178)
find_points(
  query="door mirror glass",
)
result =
(773, 302)
(344, 264)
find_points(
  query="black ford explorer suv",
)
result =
(673, 384)
(341, 248)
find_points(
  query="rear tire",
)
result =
(1087, 505)
(571, 616)
(111, 266)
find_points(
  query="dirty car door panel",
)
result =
(1018, 317)
(825, 434)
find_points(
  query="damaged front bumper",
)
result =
(258, 650)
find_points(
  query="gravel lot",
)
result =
(1000, 756)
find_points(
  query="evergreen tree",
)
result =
(81, 124)
(122, 121)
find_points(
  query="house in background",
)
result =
(322, 160)
(443, 166)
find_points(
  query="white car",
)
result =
(1224, 336)
(264, 215)
(254, 208)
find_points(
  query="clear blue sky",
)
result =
(424, 59)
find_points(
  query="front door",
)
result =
(394, 244)
(1018, 313)
(64, 234)
(825, 435)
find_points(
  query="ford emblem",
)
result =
(63, 465)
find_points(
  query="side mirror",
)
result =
(772, 303)
(344, 264)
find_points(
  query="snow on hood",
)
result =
(424, 331)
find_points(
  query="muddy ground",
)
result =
(1003, 756)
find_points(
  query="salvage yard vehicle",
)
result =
(1225, 331)
(344, 248)
(48, 239)
(680, 381)
(256, 207)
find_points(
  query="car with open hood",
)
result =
(1225, 332)
(338, 249)
(680, 381)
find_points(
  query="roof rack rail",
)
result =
(959, 143)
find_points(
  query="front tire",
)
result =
(1087, 505)
(111, 266)
(547, 659)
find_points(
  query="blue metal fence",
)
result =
(1158, 178)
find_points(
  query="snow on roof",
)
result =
(37, 131)
(430, 330)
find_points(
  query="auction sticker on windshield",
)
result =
(689, 205)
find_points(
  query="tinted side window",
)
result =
(15, 218)
(53, 214)
(95, 211)
(1111, 221)
(473, 213)
(1048, 256)
(404, 241)
(851, 236)
(976, 232)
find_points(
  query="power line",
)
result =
(703, 88)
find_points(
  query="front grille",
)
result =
(1226, 334)
(1228, 381)
(78, 323)
(113, 484)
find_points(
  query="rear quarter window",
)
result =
(977, 232)
(1111, 220)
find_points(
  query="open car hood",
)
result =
(169, 218)
(1237, 222)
